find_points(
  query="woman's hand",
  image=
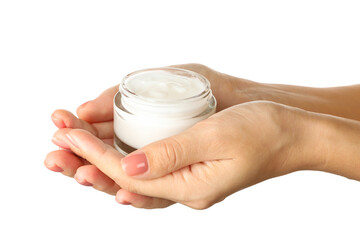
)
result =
(97, 117)
(233, 149)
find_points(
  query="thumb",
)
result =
(163, 157)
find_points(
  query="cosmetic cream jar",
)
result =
(157, 103)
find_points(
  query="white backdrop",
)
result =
(59, 54)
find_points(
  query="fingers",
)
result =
(90, 175)
(105, 130)
(125, 197)
(87, 175)
(65, 119)
(63, 161)
(84, 144)
(108, 160)
(100, 109)
(153, 161)
(174, 186)
(109, 141)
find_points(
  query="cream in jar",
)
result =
(157, 103)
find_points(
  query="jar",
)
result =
(157, 103)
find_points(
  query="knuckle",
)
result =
(171, 150)
(102, 151)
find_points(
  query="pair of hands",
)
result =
(237, 147)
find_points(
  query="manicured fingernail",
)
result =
(82, 181)
(53, 167)
(122, 201)
(135, 164)
(58, 122)
(71, 140)
(60, 143)
(85, 183)
(83, 105)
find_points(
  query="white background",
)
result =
(59, 54)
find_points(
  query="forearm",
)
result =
(327, 143)
(338, 101)
(341, 146)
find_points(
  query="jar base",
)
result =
(122, 147)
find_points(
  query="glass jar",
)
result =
(157, 103)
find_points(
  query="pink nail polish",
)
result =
(135, 164)
(83, 182)
(83, 105)
(86, 183)
(125, 203)
(58, 122)
(53, 167)
(60, 143)
(122, 201)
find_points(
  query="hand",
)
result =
(228, 90)
(96, 117)
(233, 149)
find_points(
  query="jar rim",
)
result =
(127, 92)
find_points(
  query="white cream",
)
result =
(163, 85)
(157, 103)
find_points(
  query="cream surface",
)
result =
(165, 86)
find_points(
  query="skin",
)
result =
(189, 169)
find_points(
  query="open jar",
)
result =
(157, 103)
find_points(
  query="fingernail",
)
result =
(135, 164)
(82, 181)
(83, 105)
(71, 140)
(58, 122)
(60, 143)
(122, 201)
(53, 167)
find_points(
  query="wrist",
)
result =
(323, 143)
(301, 97)
(302, 137)
(245, 91)
(339, 148)
(232, 90)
